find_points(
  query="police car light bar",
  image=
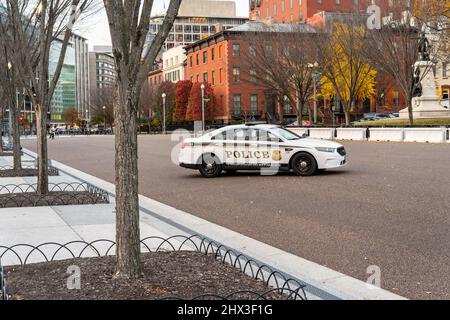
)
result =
(255, 123)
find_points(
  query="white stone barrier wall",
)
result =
(432, 135)
(357, 134)
(299, 131)
(386, 134)
(322, 133)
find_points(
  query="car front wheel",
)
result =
(304, 164)
(210, 166)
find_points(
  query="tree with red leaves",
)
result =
(183, 91)
(194, 109)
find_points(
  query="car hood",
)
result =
(311, 142)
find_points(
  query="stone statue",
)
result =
(424, 48)
(417, 86)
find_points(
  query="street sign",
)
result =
(207, 99)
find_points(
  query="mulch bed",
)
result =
(11, 173)
(166, 275)
(58, 198)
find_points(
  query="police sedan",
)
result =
(268, 148)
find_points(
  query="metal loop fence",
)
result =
(21, 195)
(52, 171)
(292, 289)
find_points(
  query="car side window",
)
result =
(219, 136)
(267, 136)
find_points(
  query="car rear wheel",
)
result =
(210, 166)
(304, 164)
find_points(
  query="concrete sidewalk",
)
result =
(63, 224)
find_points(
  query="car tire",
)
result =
(303, 164)
(210, 166)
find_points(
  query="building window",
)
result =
(236, 75)
(198, 59)
(236, 50)
(212, 54)
(252, 75)
(205, 77)
(220, 75)
(237, 103)
(252, 50)
(396, 100)
(205, 57)
(191, 61)
(220, 52)
(254, 104)
(213, 78)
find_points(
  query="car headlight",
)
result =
(323, 149)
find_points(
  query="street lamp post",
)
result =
(202, 87)
(104, 118)
(87, 120)
(164, 112)
(9, 110)
(315, 76)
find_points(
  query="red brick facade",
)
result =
(295, 11)
(219, 60)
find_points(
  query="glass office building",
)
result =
(65, 96)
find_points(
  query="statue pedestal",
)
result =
(428, 105)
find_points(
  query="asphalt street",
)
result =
(390, 206)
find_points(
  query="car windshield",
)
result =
(286, 134)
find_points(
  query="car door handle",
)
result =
(288, 149)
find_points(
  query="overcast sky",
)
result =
(95, 29)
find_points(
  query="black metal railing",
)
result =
(280, 283)
(21, 195)
(52, 171)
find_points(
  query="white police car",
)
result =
(268, 148)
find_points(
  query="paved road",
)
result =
(389, 207)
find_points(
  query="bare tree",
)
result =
(129, 26)
(35, 28)
(284, 63)
(9, 90)
(394, 48)
(103, 106)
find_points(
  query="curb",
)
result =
(322, 282)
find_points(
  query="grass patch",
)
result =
(404, 123)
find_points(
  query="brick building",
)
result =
(221, 61)
(295, 11)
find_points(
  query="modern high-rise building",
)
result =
(196, 20)
(65, 95)
(72, 89)
(82, 74)
(101, 70)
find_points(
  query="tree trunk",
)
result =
(1, 130)
(347, 111)
(41, 131)
(410, 109)
(17, 157)
(127, 202)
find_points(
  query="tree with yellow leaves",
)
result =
(346, 71)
